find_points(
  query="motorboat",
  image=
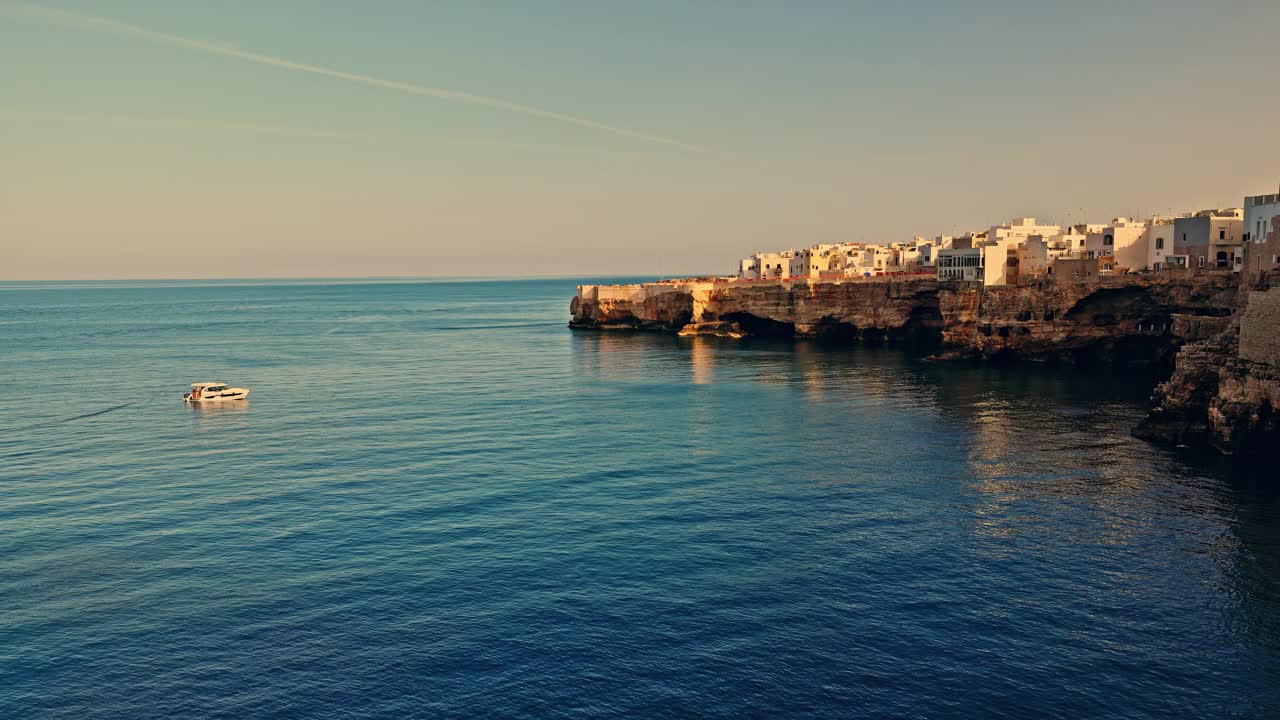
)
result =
(214, 392)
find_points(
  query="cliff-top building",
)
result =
(1211, 239)
(1262, 232)
(1001, 251)
(1024, 249)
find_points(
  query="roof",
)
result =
(206, 384)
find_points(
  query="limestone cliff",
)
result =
(651, 306)
(1123, 318)
(785, 309)
(1225, 388)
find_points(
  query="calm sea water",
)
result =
(439, 502)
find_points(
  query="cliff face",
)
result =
(800, 309)
(1121, 318)
(830, 310)
(634, 307)
(1225, 388)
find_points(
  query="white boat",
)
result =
(214, 392)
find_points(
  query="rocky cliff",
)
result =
(1225, 387)
(782, 309)
(1122, 318)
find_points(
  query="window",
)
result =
(1201, 261)
(1159, 243)
(1222, 234)
(1184, 237)
(1108, 240)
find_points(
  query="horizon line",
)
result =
(349, 278)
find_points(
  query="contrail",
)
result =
(310, 132)
(115, 27)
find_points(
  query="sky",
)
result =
(309, 138)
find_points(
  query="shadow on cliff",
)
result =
(920, 335)
(1124, 326)
(760, 327)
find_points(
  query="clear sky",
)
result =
(173, 138)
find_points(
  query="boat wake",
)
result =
(113, 408)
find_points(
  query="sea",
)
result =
(441, 502)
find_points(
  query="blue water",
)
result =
(441, 503)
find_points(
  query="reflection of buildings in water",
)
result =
(1000, 448)
(702, 419)
(589, 349)
(869, 377)
(1052, 457)
(625, 356)
(702, 360)
(1028, 420)
(814, 373)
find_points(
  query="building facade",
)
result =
(1262, 228)
(963, 263)
(1211, 239)
(1124, 241)
(1159, 242)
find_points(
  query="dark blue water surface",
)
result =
(440, 502)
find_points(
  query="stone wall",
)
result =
(1194, 328)
(1260, 256)
(1260, 328)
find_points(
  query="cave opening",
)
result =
(829, 329)
(922, 332)
(760, 327)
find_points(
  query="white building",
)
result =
(1124, 241)
(765, 266)
(1159, 241)
(1040, 252)
(1020, 228)
(1003, 248)
(798, 264)
(960, 263)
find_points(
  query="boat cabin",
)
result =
(215, 391)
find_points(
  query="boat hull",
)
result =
(229, 395)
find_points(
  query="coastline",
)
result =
(1221, 392)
